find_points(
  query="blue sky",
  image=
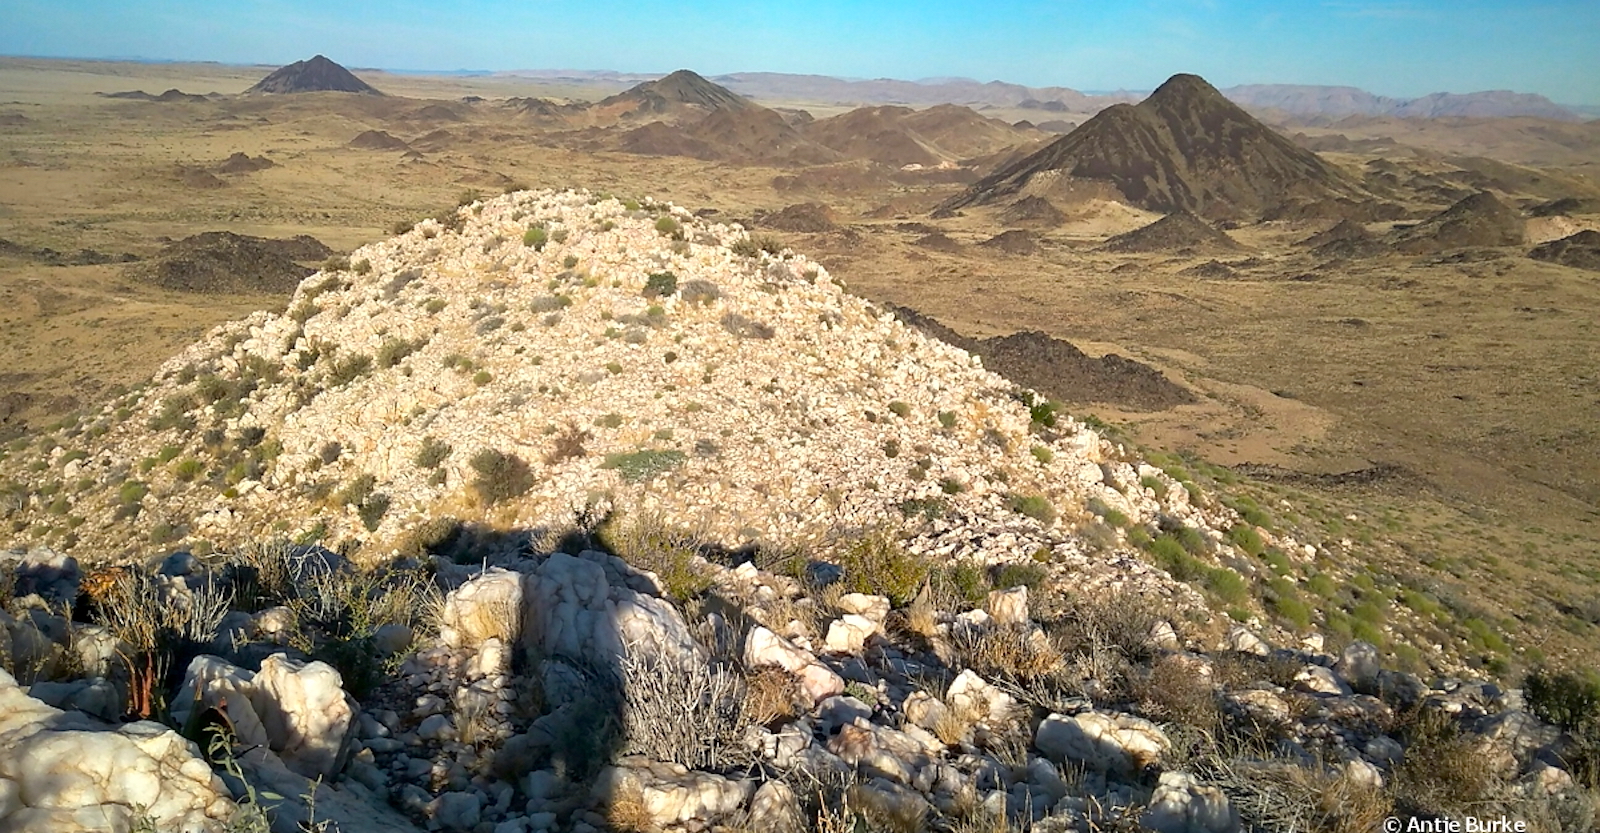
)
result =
(1392, 47)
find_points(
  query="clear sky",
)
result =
(1392, 47)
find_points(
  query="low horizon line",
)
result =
(927, 81)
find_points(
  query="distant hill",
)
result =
(1180, 232)
(1480, 219)
(1185, 147)
(673, 93)
(900, 136)
(1338, 102)
(964, 91)
(317, 74)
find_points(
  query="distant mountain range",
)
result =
(1297, 100)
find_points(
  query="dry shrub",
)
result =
(647, 542)
(1015, 652)
(1281, 795)
(1175, 692)
(1443, 773)
(626, 812)
(684, 712)
(568, 445)
(772, 694)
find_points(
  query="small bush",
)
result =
(394, 350)
(1154, 484)
(1031, 576)
(1044, 413)
(1043, 454)
(535, 238)
(356, 492)
(660, 284)
(899, 409)
(699, 292)
(435, 305)
(372, 511)
(947, 419)
(330, 452)
(1226, 585)
(500, 476)
(879, 565)
(432, 452)
(349, 369)
(668, 226)
(1246, 538)
(1036, 507)
(1171, 556)
(482, 377)
(744, 327)
(644, 464)
(568, 445)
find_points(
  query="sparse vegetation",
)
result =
(499, 476)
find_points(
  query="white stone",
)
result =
(670, 794)
(486, 607)
(309, 719)
(1243, 640)
(970, 694)
(875, 608)
(848, 635)
(1359, 665)
(1182, 805)
(762, 647)
(1102, 742)
(458, 811)
(1008, 607)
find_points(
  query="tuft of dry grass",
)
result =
(772, 694)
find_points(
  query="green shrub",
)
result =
(1277, 561)
(1191, 539)
(951, 486)
(372, 511)
(500, 476)
(899, 409)
(644, 464)
(394, 350)
(931, 507)
(1140, 537)
(668, 226)
(349, 369)
(535, 237)
(966, 581)
(188, 469)
(1114, 518)
(356, 492)
(660, 284)
(1171, 556)
(879, 565)
(1322, 585)
(947, 419)
(1247, 539)
(1037, 507)
(1564, 698)
(1031, 576)
(1296, 612)
(482, 377)
(1043, 454)
(432, 452)
(435, 305)
(1226, 585)
(1154, 484)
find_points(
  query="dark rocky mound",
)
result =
(1347, 239)
(221, 261)
(1345, 230)
(1566, 207)
(1058, 126)
(243, 163)
(1013, 242)
(1061, 371)
(13, 120)
(51, 257)
(1213, 269)
(808, 217)
(1180, 232)
(1580, 251)
(662, 139)
(1033, 211)
(1480, 220)
(192, 177)
(937, 241)
(378, 140)
(317, 74)
(672, 92)
(1184, 147)
(169, 96)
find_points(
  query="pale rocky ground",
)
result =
(519, 678)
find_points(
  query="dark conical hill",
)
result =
(1476, 220)
(671, 92)
(1580, 251)
(1180, 232)
(316, 74)
(1185, 147)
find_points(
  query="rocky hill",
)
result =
(1477, 220)
(315, 74)
(1186, 146)
(670, 94)
(559, 512)
(1339, 102)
